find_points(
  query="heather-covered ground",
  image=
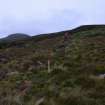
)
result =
(76, 68)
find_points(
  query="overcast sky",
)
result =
(42, 16)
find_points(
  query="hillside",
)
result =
(14, 37)
(73, 77)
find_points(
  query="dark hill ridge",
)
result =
(81, 28)
(77, 66)
(15, 37)
(24, 38)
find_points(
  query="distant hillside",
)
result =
(15, 37)
(23, 39)
(73, 76)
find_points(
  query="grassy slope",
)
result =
(71, 81)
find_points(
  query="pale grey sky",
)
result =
(42, 16)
